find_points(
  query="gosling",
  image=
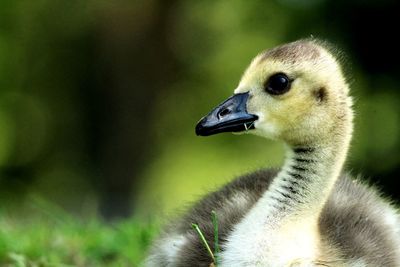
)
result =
(308, 213)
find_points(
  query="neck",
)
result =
(305, 182)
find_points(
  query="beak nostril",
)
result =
(224, 112)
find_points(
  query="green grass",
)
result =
(50, 237)
(214, 255)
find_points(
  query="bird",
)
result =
(310, 212)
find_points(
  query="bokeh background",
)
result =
(99, 99)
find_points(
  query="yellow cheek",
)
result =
(289, 112)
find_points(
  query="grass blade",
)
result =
(203, 239)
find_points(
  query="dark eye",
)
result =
(277, 84)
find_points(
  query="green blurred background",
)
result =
(99, 99)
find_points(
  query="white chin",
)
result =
(266, 132)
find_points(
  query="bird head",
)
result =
(295, 92)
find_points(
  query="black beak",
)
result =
(229, 116)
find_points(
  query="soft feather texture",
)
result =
(355, 220)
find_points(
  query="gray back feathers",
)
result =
(355, 222)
